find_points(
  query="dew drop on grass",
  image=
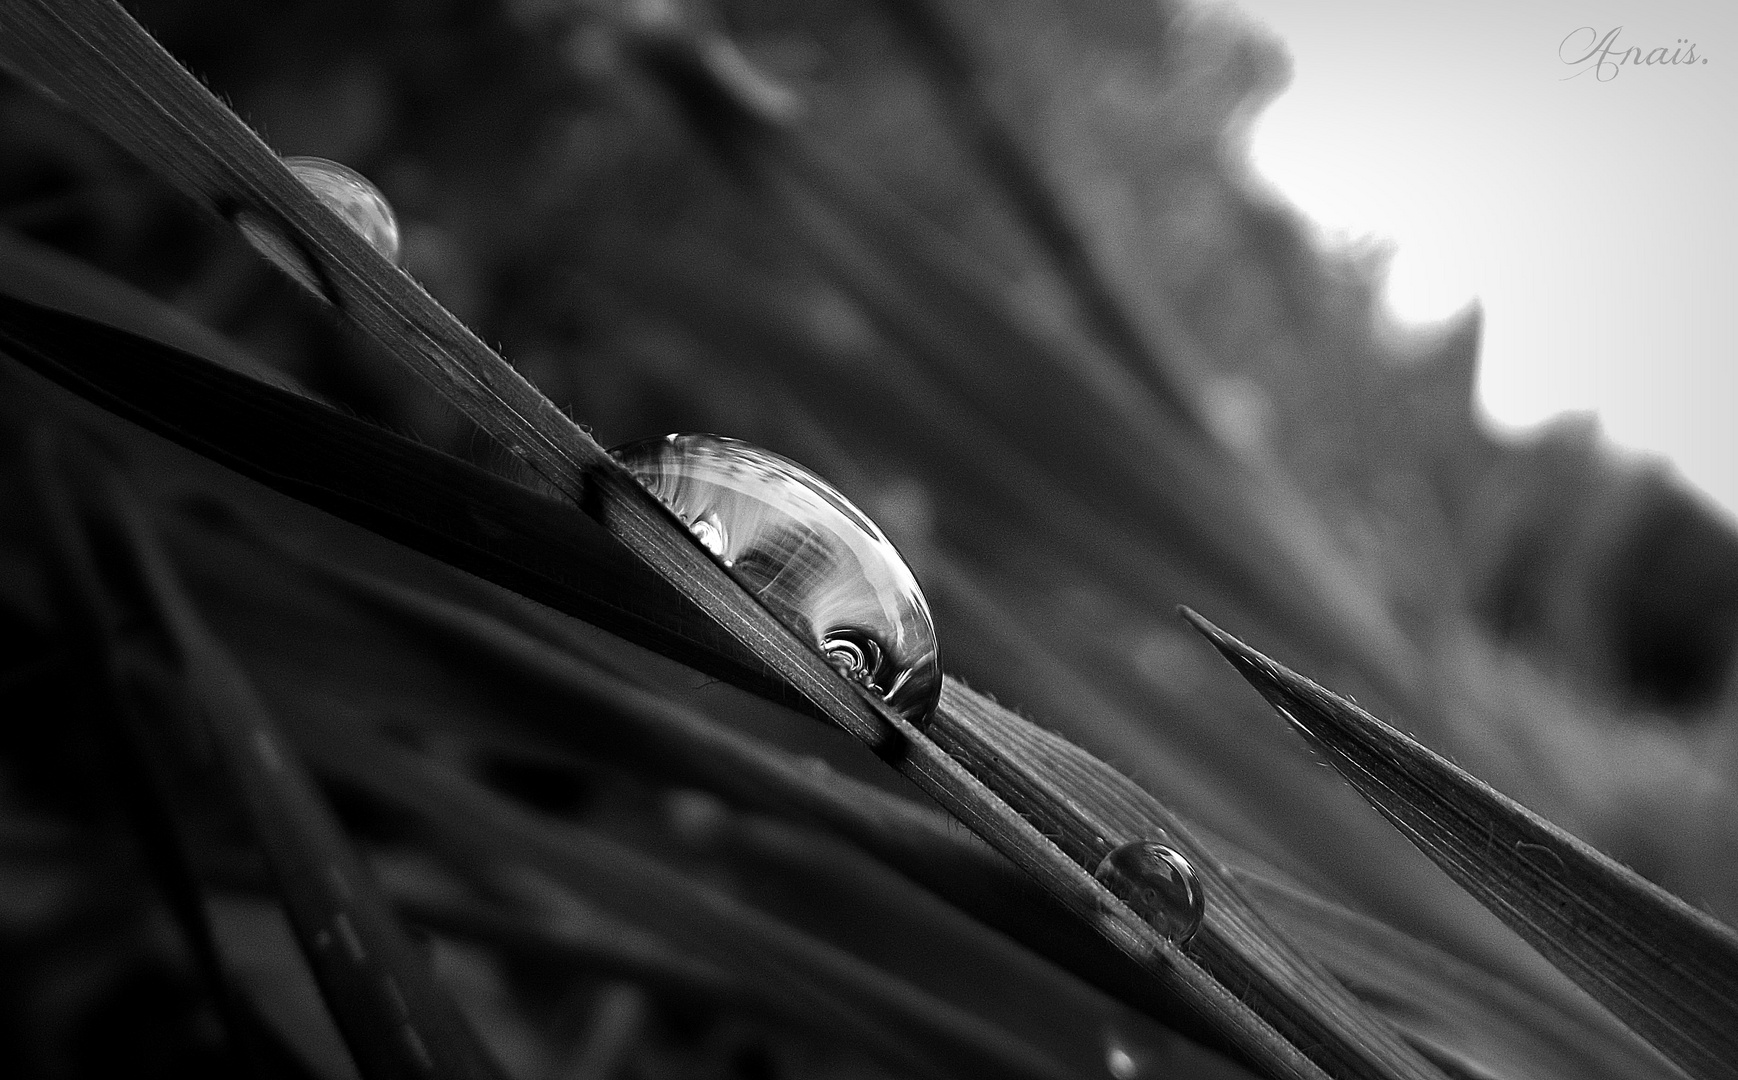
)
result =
(791, 539)
(348, 194)
(1159, 883)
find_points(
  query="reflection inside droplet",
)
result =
(854, 654)
(807, 553)
(350, 195)
(1159, 883)
(710, 533)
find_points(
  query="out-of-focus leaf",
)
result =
(397, 1022)
(959, 77)
(1667, 969)
(141, 769)
(1456, 1011)
(904, 1024)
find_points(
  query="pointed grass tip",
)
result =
(1292, 695)
(1666, 969)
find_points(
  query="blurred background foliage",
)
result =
(978, 190)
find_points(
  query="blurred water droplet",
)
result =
(350, 195)
(1119, 1062)
(1159, 883)
(807, 553)
(1240, 412)
(698, 817)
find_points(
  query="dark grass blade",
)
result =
(573, 940)
(579, 941)
(1665, 968)
(903, 1024)
(397, 1022)
(145, 781)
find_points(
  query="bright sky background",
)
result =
(1594, 220)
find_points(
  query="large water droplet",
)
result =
(811, 557)
(1159, 883)
(349, 194)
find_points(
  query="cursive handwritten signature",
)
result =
(1589, 50)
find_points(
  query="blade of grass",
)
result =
(574, 938)
(1666, 969)
(578, 941)
(395, 1020)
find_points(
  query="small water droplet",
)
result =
(350, 195)
(1159, 883)
(807, 553)
(1119, 1062)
